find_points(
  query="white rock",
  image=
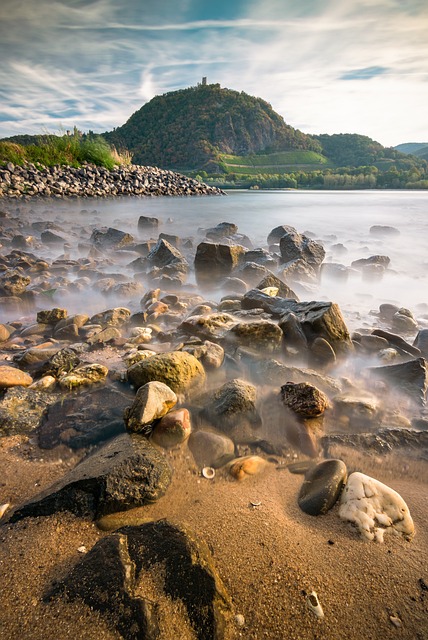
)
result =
(374, 508)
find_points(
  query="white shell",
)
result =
(208, 472)
(314, 604)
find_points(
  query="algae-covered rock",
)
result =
(180, 371)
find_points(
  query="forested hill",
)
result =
(190, 128)
(354, 150)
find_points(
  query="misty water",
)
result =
(341, 221)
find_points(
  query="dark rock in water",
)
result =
(383, 231)
(109, 238)
(294, 246)
(387, 310)
(293, 333)
(63, 361)
(304, 399)
(232, 409)
(163, 254)
(211, 449)
(209, 353)
(208, 327)
(48, 237)
(322, 486)
(85, 419)
(398, 343)
(411, 378)
(372, 260)
(301, 467)
(125, 473)
(180, 371)
(261, 257)
(334, 271)
(215, 261)
(276, 234)
(421, 342)
(322, 352)
(221, 230)
(420, 423)
(251, 272)
(383, 442)
(147, 224)
(21, 410)
(111, 317)
(108, 578)
(152, 401)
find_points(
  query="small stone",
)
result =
(322, 486)
(396, 621)
(211, 449)
(246, 466)
(152, 401)
(173, 429)
(13, 377)
(304, 399)
(239, 620)
(86, 375)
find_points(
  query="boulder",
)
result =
(271, 280)
(109, 238)
(410, 378)
(232, 409)
(398, 342)
(214, 261)
(378, 260)
(383, 231)
(188, 596)
(164, 254)
(374, 508)
(152, 401)
(111, 317)
(211, 449)
(180, 371)
(304, 399)
(50, 238)
(221, 230)
(276, 234)
(261, 335)
(294, 246)
(126, 472)
(356, 413)
(384, 441)
(209, 353)
(148, 225)
(322, 486)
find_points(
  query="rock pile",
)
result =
(90, 181)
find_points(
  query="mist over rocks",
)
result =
(91, 181)
(147, 373)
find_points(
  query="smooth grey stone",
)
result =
(322, 486)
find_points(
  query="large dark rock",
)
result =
(211, 449)
(213, 326)
(276, 234)
(163, 254)
(221, 230)
(125, 473)
(215, 261)
(294, 246)
(421, 342)
(284, 291)
(109, 238)
(108, 578)
(410, 378)
(262, 335)
(398, 343)
(322, 486)
(148, 225)
(13, 283)
(85, 419)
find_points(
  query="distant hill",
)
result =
(354, 150)
(191, 128)
(413, 148)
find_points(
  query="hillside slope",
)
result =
(190, 128)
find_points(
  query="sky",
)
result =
(326, 66)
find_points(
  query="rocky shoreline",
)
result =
(90, 181)
(194, 436)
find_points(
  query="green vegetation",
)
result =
(192, 128)
(277, 163)
(50, 150)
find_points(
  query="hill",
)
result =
(193, 127)
(413, 148)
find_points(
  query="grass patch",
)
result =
(70, 150)
(273, 162)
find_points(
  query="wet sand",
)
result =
(269, 557)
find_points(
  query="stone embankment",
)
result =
(92, 181)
